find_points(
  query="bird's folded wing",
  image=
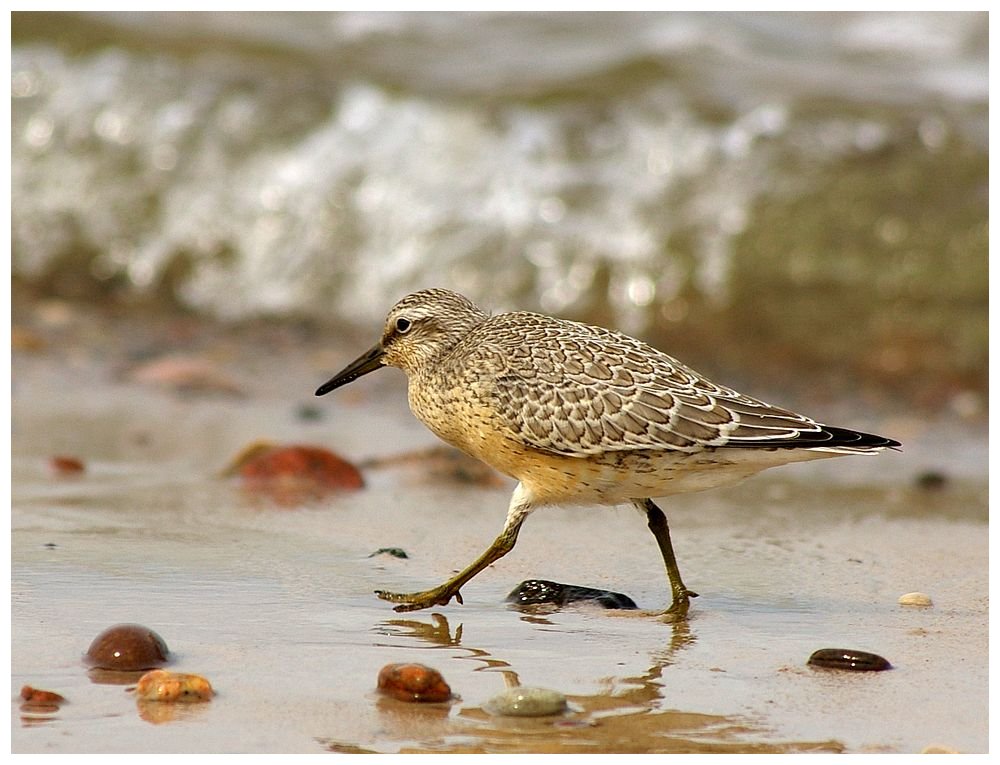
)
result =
(600, 391)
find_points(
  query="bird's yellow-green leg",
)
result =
(503, 544)
(657, 522)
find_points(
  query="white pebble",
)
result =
(915, 599)
(526, 702)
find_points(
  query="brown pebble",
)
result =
(64, 465)
(848, 659)
(39, 697)
(413, 682)
(294, 474)
(127, 647)
(160, 685)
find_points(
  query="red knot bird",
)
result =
(579, 414)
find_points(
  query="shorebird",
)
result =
(579, 414)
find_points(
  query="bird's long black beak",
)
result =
(366, 363)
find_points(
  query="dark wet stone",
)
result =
(309, 412)
(127, 647)
(931, 480)
(533, 592)
(395, 552)
(848, 659)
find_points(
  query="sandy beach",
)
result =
(274, 603)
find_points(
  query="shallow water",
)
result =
(735, 184)
(275, 606)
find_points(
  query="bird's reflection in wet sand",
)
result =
(627, 718)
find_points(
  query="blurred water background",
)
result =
(803, 195)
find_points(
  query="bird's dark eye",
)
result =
(403, 325)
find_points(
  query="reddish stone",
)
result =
(413, 682)
(39, 697)
(297, 473)
(66, 465)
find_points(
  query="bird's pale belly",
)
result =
(607, 479)
(618, 477)
(610, 478)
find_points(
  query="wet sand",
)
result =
(274, 605)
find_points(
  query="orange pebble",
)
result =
(160, 685)
(294, 474)
(308, 462)
(413, 682)
(37, 696)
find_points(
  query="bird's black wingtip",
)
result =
(824, 437)
(859, 439)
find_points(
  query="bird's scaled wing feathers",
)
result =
(578, 390)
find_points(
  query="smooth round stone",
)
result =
(127, 647)
(915, 599)
(413, 682)
(848, 659)
(526, 702)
